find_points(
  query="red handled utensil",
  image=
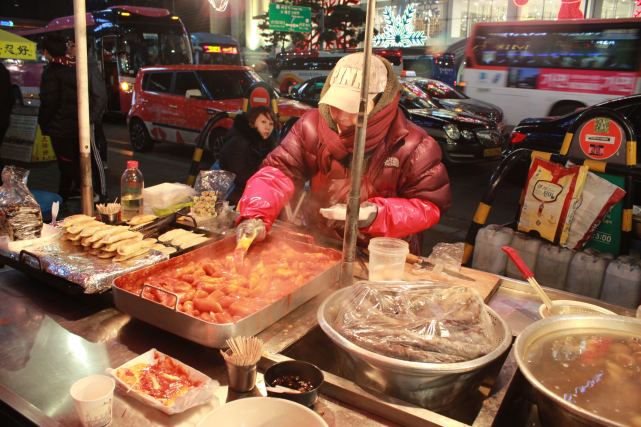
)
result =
(527, 275)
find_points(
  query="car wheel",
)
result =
(139, 137)
(216, 142)
(563, 108)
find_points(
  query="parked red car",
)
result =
(172, 103)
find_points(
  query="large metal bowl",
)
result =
(553, 409)
(435, 386)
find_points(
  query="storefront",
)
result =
(443, 22)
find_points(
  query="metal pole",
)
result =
(354, 201)
(82, 78)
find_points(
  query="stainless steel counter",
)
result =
(49, 340)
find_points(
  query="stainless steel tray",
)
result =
(210, 334)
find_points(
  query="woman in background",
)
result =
(248, 142)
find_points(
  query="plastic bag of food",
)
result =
(164, 196)
(447, 255)
(420, 321)
(597, 198)
(20, 214)
(219, 181)
(551, 197)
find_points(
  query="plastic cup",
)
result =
(387, 259)
(93, 398)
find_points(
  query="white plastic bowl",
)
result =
(262, 412)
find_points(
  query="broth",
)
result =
(601, 373)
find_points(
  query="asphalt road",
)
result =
(170, 163)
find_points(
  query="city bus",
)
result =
(122, 39)
(291, 68)
(551, 68)
(215, 49)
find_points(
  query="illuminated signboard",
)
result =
(228, 50)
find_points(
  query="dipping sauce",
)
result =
(601, 373)
(294, 382)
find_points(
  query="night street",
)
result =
(170, 163)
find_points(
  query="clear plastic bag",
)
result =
(420, 321)
(219, 181)
(20, 214)
(447, 255)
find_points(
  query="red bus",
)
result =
(122, 39)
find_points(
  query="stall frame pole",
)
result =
(353, 204)
(82, 79)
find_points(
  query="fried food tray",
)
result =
(36, 266)
(211, 334)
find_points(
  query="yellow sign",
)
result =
(13, 46)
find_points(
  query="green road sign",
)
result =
(292, 19)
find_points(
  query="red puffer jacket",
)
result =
(404, 176)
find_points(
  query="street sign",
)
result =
(291, 19)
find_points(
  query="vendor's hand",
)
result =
(251, 230)
(338, 212)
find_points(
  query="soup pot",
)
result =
(553, 409)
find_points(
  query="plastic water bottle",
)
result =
(131, 186)
(552, 265)
(587, 269)
(622, 282)
(528, 248)
(488, 255)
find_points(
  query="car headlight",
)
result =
(452, 132)
(467, 134)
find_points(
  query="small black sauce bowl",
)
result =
(305, 370)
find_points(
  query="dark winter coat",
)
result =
(58, 115)
(243, 152)
(6, 98)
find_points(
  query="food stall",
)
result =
(49, 334)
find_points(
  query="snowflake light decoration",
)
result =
(399, 30)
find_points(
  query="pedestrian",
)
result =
(58, 117)
(405, 186)
(247, 143)
(7, 99)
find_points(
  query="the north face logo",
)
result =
(392, 162)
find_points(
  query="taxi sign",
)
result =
(288, 18)
(13, 46)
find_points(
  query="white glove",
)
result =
(338, 212)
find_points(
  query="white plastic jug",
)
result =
(528, 248)
(552, 265)
(488, 255)
(587, 269)
(622, 282)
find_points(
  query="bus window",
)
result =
(607, 49)
(144, 48)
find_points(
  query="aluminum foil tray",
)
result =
(212, 334)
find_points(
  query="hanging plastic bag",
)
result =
(597, 198)
(20, 214)
(551, 197)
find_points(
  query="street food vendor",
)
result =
(405, 186)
